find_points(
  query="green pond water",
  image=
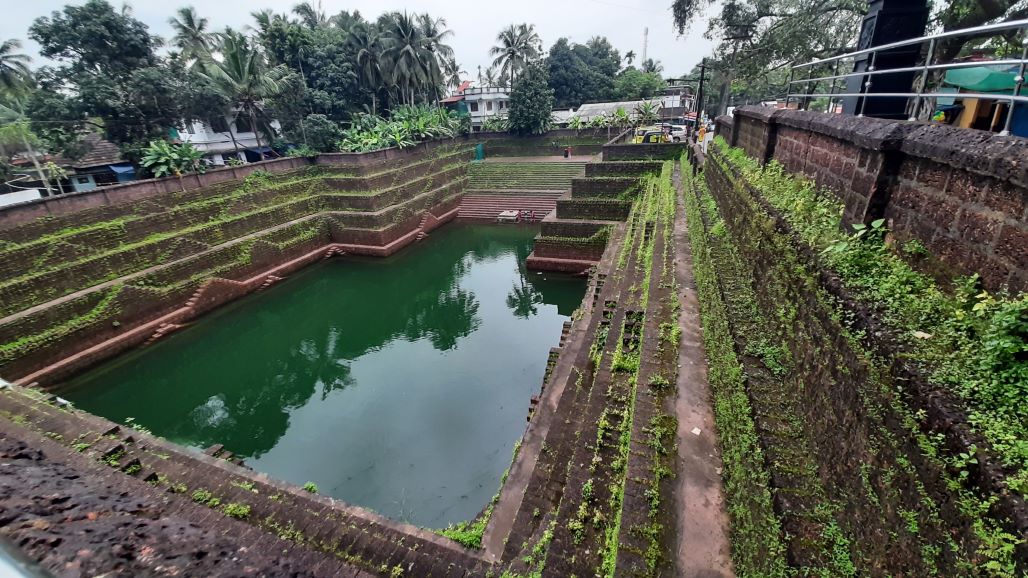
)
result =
(397, 384)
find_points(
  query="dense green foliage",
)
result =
(163, 159)
(531, 102)
(582, 73)
(407, 126)
(634, 84)
(108, 68)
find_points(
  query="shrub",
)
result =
(162, 159)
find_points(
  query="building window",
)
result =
(489, 105)
(218, 124)
(190, 128)
(243, 124)
(82, 180)
(474, 107)
(503, 105)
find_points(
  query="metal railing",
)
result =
(811, 86)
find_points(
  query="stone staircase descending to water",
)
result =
(494, 187)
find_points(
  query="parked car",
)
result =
(655, 136)
(637, 136)
(678, 131)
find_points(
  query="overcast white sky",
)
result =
(474, 23)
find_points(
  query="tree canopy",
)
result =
(531, 102)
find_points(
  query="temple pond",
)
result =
(398, 384)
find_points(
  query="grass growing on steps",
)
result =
(758, 549)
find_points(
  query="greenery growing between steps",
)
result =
(758, 548)
(469, 534)
(970, 341)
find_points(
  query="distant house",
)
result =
(224, 137)
(676, 99)
(480, 103)
(101, 165)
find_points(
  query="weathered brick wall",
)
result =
(960, 192)
(640, 152)
(724, 126)
(568, 249)
(598, 209)
(557, 228)
(622, 168)
(602, 186)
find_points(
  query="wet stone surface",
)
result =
(79, 523)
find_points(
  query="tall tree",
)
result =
(366, 44)
(311, 15)
(582, 73)
(452, 72)
(243, 78)
(634, 84)
(14, 69)
(434, 35)
(531, 102)
(413, 44)
(108, 69)
(651, 66)
(191, 34)
(516, 46)
(96, 38)
(768, 35)
(629, 57)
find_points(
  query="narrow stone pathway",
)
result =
(702, 548)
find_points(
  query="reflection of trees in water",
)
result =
(523, 297)
(422, 300)
(452, 316)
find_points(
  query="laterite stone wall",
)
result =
(960, 192)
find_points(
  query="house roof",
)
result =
(589, 111)
(99, 152)
(463, 86)
(454, 98)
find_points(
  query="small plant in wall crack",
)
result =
(875, 230)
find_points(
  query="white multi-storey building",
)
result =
(485, 102)
(224, 137)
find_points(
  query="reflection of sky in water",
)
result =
(399, 384)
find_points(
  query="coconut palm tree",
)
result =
(517, 45)
(366, 44)
(629, 57)
(433, 34)
(407, 59)
(191, 35)
(14, 69)
(652, 66)
(491, 78)
(452, 72)
(311, 15)
(243, 78)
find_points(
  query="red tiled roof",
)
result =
(98, 152)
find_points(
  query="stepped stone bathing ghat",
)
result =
(748, 386)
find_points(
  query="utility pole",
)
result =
(699, 93)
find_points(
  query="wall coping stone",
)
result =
(977, 151)
(765, 113)
(870, 133)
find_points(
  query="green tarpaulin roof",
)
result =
(982, 78)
